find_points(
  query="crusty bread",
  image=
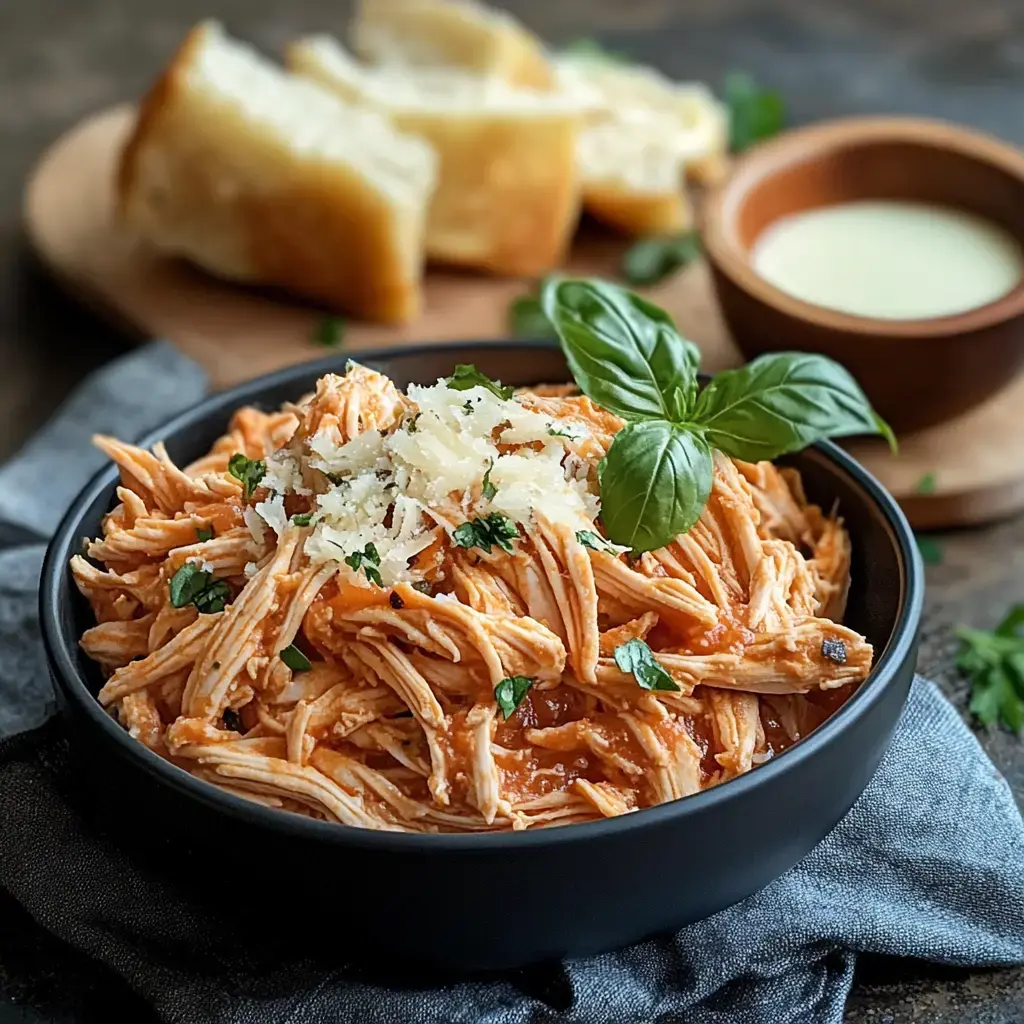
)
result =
(687, 114)
(507, 199)
(451, 33)
(261, 176)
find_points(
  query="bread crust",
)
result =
(638, 213)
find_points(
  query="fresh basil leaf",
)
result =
(186, 583)
(655, 481)
(329, 332)
(994, 663)
(526, 319)
(204, 533)
(653, 259)
(1012, 622)
(926, 485)
(367, 560)
(929, 548)
(487, 489)
(467, 376)
(636, 658)
(370, 554)
(249, 471)
(592, 540)
(624, 352)
(754, 113)
(302, 519)
(781, 403)
(509, 693)
(213, 598)
(295, 659)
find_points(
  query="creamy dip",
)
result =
(891, 259)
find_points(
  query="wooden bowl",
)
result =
(916, 372)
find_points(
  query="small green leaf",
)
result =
(302, 518)
(467, 376)
(526, 319)
(926, 485)
(754, 113)
(487, 489)
(192, 585)
(781, 403)
(329, 332)
(994, 663)
(636, 658)
(1012, 622)
(652, 259)
(204, 533)
(509, 693)
(594, 541)
(213, 598)
(930, 549)
(295, 659)
(367, 560)
(249, 471)
(655, 481)
(486, 532)
(623, 352)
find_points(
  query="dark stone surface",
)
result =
(61, 59)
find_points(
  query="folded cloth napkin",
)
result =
(929, 863)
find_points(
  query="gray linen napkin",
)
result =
(929, 863)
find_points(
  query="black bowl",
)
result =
(499, 900)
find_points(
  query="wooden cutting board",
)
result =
(237, 333)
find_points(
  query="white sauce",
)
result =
(890, 259)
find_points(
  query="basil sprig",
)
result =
(248, 471)
(467, 376)
(626, 355)
(192, 585)
(509, 694)
(636, 658)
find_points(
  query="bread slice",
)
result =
(451, 33)
(686, 114)
(632, 181)
(507, 199)
(260, 176)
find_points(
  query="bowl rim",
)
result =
(61, 650)
(731, 258)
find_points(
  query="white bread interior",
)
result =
(451, 33)
(507, 199)
(261, 176)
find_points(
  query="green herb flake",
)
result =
(930, 549)
(302, 518)
(526, 319)
(192, 585)
(653, 259)
(329, 332)
(367, 560)
(635, 657)
(249, 471)
(204, 533)
(509, 694)
(295, 659)
(755, 114)
(926, 485)
(486, 532)
(410, 427)
(993, 661)
(594, 541)
(487, 489)
(467, 376)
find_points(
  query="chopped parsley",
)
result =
(192, 585)
(368, 560)
(295, 659)
(329, 332)
(635, 657)
(494, 529)
(993, 660)
(302, 519)
(594, 541)
(487, 489)
(467, 376)
(249, 471)
(509, 693)
(204, 533)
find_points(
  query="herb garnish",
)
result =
(509, 693)
(635, 657)
(486, 532)
(487, 489)
(526, 319)
(367, 560)
(994, 663)
(627, 356)
(302, 518)
(192, 585)
(329, 332)
(594, 541)
(295, 659)
(926, 485)
(204, 533)
(249, 471)
(754, 113)
(467, 376)
(930, 549)
(652, 259)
